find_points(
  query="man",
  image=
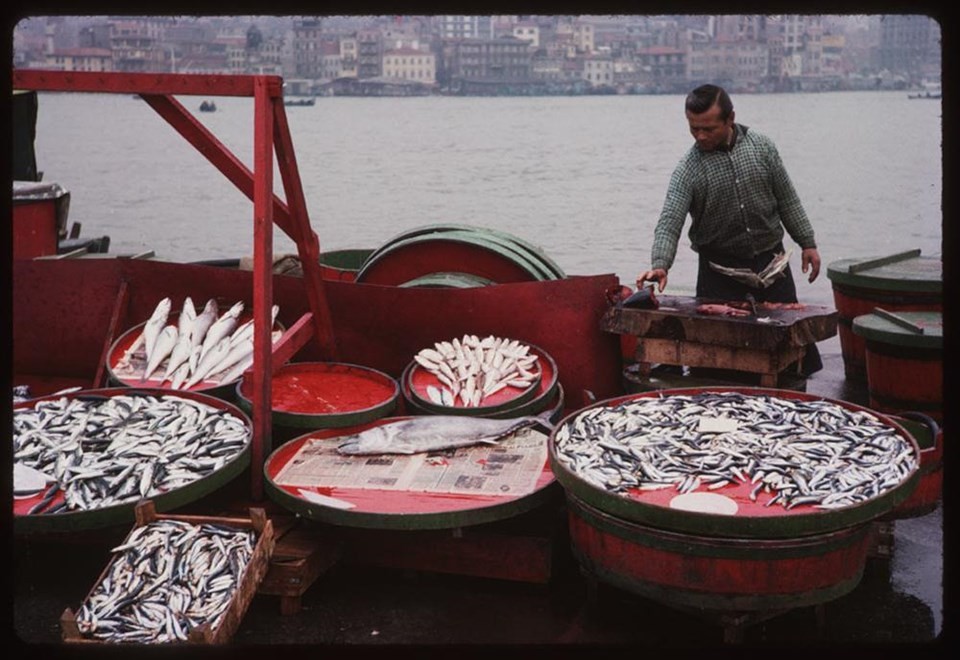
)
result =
(740, 198)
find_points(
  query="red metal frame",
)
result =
(271, 133)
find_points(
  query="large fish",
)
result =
(203, 321)
(162, 347)
(187, 316)
(772, 272)
(209, 361)
(180, 354)
(221, 328)
(432, 433)
(155, 324)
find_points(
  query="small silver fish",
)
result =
(432, 433)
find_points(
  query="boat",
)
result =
(927, 91)
(299, 102)
(208, 106)
(331, 316)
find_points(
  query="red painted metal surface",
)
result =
(408, 262)
(926, 497)
(713, 573)
(141, 83)
(35, 231)
(73, 301)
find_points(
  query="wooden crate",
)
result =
(239, 601)
(300, 556)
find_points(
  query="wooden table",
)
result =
(676, 334)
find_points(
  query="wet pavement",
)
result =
(358, 609)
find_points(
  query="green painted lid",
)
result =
(909, 329)
(904, 271)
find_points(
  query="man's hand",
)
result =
(810, 259)
(659, 275)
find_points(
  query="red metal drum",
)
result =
(902, 282)
(717, 574)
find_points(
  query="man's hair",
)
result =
(705, 96)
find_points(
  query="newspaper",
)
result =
(509, 468)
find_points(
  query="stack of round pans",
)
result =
(83, 460)
(735, 462)
(306, 396)
(417, 382)
(453, 252)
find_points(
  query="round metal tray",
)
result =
(124, 513)
(753, 520)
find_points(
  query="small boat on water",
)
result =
(208, 106)
(299, 102)
(380, 316)
(928, 91)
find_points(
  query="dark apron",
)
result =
(716, 286)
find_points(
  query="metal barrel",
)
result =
(926, 496)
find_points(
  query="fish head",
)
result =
(370, 441)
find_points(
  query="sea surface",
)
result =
(583, 178)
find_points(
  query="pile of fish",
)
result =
(99, 451)
(796, 452)
(168, 578)
(198, 347)
(472, 369)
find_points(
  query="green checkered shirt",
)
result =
(740, 201)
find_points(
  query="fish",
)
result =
(433, 433)
(187, 316)
(163, 346)
(203, 321)
(473, 369)
(180, 354)
(208, 361)
(102, 451)
(772, 272)
(155, 324)
(794, 452)
(221, 328)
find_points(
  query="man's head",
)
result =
(710, 115)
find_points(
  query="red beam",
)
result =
(308, 246)
(262, 282)
(144, 83)
(295, 338)
(119, 309)
(215, 151)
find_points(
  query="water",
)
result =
(582, 177)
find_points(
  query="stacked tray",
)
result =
(456, 255)
(113, 447)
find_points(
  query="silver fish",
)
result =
(221, 328)
(156, 323)
(187, 316)
(209, 360)
(203, 321)
(163, 345)
(772, 272)
(432, 433)
(179, 355)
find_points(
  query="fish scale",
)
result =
(812, 461)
